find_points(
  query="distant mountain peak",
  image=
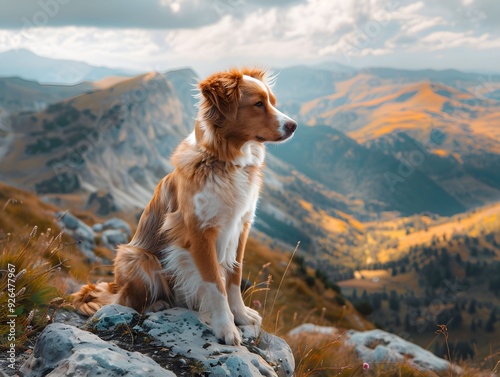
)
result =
(31, 66)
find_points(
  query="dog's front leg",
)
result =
(204, 253)
(243, 315)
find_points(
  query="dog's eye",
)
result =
(259, 104)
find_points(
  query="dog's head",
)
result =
(239, 106)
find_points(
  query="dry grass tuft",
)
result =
(32, 283)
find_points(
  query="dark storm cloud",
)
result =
(149, 14)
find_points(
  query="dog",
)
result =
(189, 245)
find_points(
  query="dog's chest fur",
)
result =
(228, 200)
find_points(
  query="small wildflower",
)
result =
(366, 366)
(257, 304)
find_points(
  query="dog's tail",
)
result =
(91, 297)
(139, 283)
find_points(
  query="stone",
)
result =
(113, 237)
(64, 350)
(97, 228)
(110, 316)
(80, 232)
(116, 223)
(183, 331)
(378, 346)
(174, 342)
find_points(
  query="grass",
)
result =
(287, 302)
(322, 355)
(288, 292)
(32, 284)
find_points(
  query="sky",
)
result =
(208, 35)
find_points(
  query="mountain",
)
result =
(299, 84)
(105, 150)
(344, 166)
(387, 169)
(17, 94)
(442, 124)
(30, 66)
(366, 109)
(117, 139)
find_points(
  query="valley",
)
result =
(391, 185)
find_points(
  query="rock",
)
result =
(112, 237)
(116, 223)
(174, 340)
(378, 346)
(97, 228)
(64, 350)
(110, 316)
(183, 332)
(80, 232)
(102, 203)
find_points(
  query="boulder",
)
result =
(112, 237)
(378, 346)
(173, 342)
(65, 350)
(116, 223)
(102, 203)
(80, 232)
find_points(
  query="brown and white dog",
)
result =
(189, 245)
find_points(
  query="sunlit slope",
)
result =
(367, 107)
(117, 139)
(351, 169)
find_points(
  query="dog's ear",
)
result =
(221, 93)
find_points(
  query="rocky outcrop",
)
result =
(378, 346)
(64, 350)
(113, 237)
(119, 224)
(118, 341)
(80, 232)
(113, 232)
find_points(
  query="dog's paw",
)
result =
(248, 316)
(228, 333)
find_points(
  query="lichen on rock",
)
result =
(175, 342)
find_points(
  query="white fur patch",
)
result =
(208, 135)
(256, 81)
(227, 202)
(191, 139)
(217, 303)
(253, 154)
(222, 320)
(235, 300)
(179, 263)
(207, 206)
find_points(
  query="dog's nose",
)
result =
(290, 126)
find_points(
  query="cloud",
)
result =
(147, 14)
(208, 34)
